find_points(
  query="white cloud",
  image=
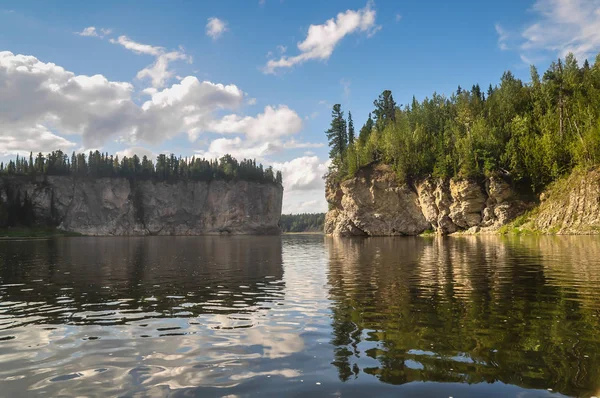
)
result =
(251, 101)
(136, 150)
(215, 27)
(398, 17)
(242, 149)
(46, 97)
(41, 100)
(321, 40)
(559, 27)
(282, 49)
(138, 48)
(34, 139)
(293, 144)
(304, 187)
(90, 31)
(273, 123)
(303, 173)
(158, 73)
(239, 149)
(502, 37)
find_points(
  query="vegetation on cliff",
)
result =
(166, 168)
(534, 132)
(305, 222)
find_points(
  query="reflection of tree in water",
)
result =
(466, 310)
(140, 276)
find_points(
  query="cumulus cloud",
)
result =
(43, 95)
(303, 173)
(90, 31)
(158, 72)
(136, 150)
(42, 100)
(215, 27)
(34, 139)
(274, 122)
(304, 187)
(240, 149)
(321, 40)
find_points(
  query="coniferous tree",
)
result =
(365, 130)
(385, 109)
(337, 134)
(350, 129)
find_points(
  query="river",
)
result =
(300, 315)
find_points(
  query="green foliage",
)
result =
(167, 167)
(534, 132)
(306, 222)
(337, 134)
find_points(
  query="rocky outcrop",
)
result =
(374, 203)
(118, 206)
(570, 206)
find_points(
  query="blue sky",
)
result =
(254, 78)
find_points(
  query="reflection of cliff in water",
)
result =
(473, 309)
(81, 281)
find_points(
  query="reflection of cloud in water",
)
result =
(221, 312)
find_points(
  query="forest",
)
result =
(167, 167)
(531, 132)
(305, 222)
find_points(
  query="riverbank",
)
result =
(376, 203)
(34, 233)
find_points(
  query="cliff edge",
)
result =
(374, 203)
(119, 206)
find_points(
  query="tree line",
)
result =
(305, 222)
(166, 168)
(533, 132)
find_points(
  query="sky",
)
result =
(255, 78)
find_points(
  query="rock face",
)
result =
(117, 206)
(571, 206)
(375, 204)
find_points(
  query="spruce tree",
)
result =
(337, 135)
(350, 129)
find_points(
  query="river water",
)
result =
(300, 315)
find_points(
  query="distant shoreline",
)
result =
(304, 233)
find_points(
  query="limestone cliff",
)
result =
(374, 203)
(118, 206)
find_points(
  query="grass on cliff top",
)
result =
(33, 232)
(557, 193)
